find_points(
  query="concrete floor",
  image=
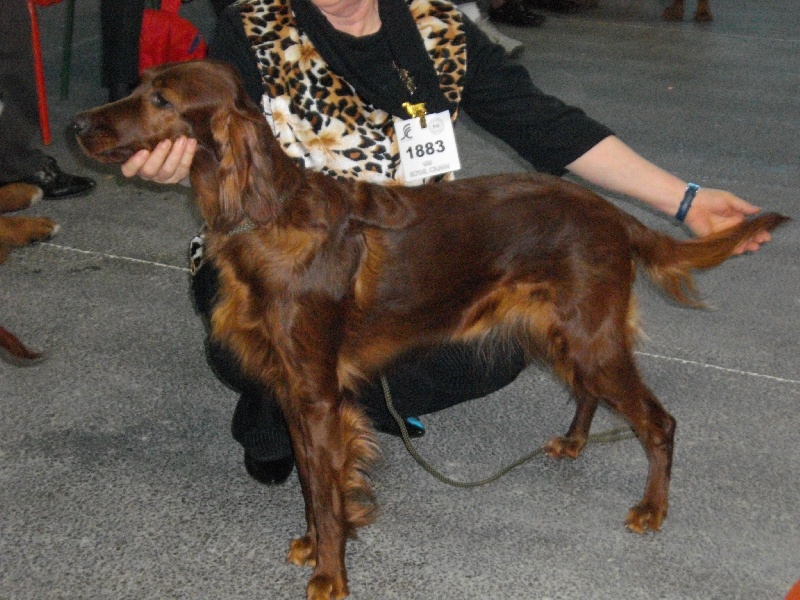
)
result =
(118, 475)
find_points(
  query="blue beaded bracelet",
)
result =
(686, 203)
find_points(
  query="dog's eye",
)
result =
(159, 101)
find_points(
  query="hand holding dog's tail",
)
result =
(670, 262)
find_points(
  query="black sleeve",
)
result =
(500, 97)
(230, 44)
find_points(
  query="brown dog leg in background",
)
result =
(21, 231)
(18, 196)
(675, 11)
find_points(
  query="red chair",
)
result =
(38, 66)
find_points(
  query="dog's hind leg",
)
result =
(571, 444)
(618, 384)
(655, 428)
(594, 357)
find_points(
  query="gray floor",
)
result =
(119, 478)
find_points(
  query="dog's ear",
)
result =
(245, 170)
(234, 165)
(381, 206)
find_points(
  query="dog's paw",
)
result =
(324, 587)
(21, 231)
(18, 196)
(302, 552)
(39, 229)
(564, 447)
(645, 517)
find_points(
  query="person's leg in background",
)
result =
(20, 158)
(477, 14)
(121, 24)
(518, 13)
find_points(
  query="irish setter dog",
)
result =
(323, 282)
(15, 232)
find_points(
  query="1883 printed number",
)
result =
(421, 150)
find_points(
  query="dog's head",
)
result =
(181, 99)
(240, 171)
(232, 172)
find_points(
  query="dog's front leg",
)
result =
(333, 445)
(303, 550)
(313, 429)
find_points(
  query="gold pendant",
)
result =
(406, 78)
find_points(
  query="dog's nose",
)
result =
(81, 124)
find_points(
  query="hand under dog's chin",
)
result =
(115, 155)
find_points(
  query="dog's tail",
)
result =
(15, 351)
(670, 262)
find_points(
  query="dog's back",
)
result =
(522, 253)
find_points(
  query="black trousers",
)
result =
(20, 155)
(422, 382)
(121, 25)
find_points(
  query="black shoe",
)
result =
(269, 472)
(414, 427)
(514, 12)
(56, 184)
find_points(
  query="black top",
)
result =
(497, 94)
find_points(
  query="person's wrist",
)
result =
(686, 203)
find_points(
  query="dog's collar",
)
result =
(244, 226)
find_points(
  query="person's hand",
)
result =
(715, 210)
(168, 162)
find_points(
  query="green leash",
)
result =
(605, 437)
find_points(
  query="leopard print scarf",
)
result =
(317, 116)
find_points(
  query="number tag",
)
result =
(427, 151)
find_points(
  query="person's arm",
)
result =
(501, 98)
(615, 167)
(554, 137)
